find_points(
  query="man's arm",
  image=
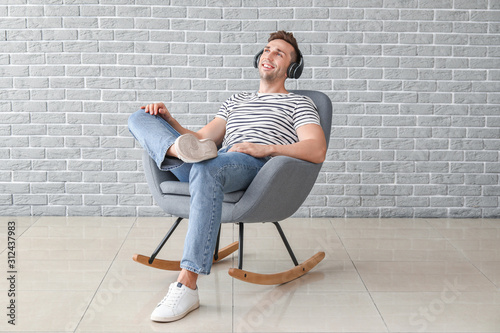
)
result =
(311, 146)
(214, 130)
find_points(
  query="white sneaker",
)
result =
(180, 300)
(191, 150)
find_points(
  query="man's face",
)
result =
(275, 59)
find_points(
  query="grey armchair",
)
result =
(275, 194)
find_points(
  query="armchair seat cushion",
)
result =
(182, 188)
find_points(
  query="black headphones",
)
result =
(294, 70)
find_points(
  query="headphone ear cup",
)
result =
(256, 59)
(295, 69)
(292, 70)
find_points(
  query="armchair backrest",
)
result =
(324, 105)
(283, 183)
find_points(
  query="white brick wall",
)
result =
(415, 86)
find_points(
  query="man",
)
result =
(252, 128)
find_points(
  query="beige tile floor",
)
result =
(75, 274)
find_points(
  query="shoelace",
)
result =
(172, 298)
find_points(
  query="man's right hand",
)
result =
(214, 130)
(158, 109)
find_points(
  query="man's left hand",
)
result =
(252, 149)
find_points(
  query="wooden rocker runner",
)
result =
(275, 194)
(278, 278)
(238, 273)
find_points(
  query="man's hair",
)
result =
(290, 39)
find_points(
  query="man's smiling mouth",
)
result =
(267, 66)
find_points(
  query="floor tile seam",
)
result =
(470, 261)
(371, 297)
(362, 280)
(2, 250)
(485, 276)
(349, 256)
(106, 273)
(449, 241)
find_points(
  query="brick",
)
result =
(492, 144)
(344, 201)
(362, 212)
(81, 22)
(14, 188)
(99, 200)
(385, 85)
(413, 178)
(373, 155)
(377, 179)
(29, 176)
(397, 167)
(84, 165)
(396, 190)
(357, 74)
(80, 46)
(467, 167)
(131, 35)
(447, 201)
(205, 61)
(397, 212)
(118, 211)
(485, 156)
(5, 199)
(393, 74)
(240, 13)
(412, 201)
(401, 4)
(363, 167)
(466, 144)
(61, 130)
(378, 201)
(65, 200)
(97, 10)
(134, 200)
(382, 14)
(29, 199)
(481, 202)
(133, 11)
(414, 38)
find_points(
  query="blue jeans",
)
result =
(208, 181)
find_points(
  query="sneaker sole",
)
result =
(191, 150)
(174, 318)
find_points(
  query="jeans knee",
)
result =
(134, 121)
(204, 171)
(133, 118)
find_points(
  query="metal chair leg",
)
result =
(217, 244)
(287, 245)
(240, 249)
(164, 240)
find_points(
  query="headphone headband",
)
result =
(294, 70)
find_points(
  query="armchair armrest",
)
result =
(277, 191)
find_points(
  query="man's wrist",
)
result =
(168, 118)
(272, 150)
